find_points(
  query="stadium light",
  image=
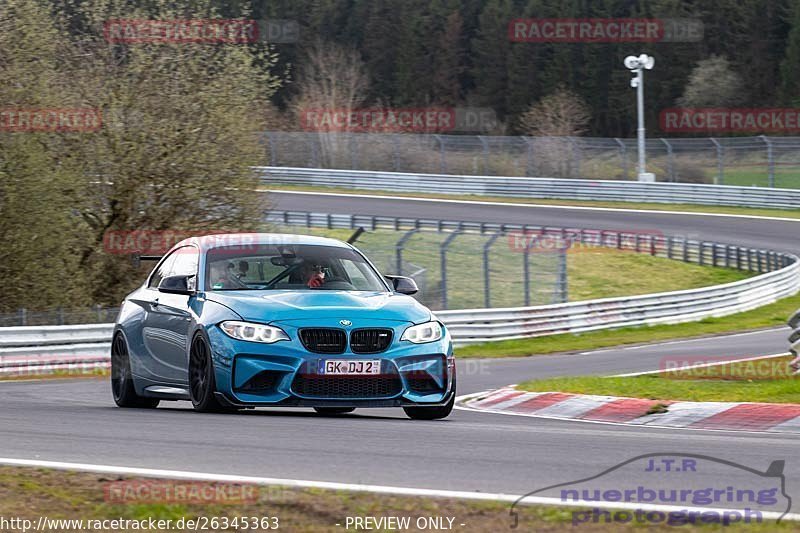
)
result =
(638, 65)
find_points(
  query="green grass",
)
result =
(28, 493)
(784, 178)
(605, 273)
(641, 206)
(773, 384)
(772, 315)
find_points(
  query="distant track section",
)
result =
(525, 187)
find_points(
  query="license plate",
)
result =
(350, 366)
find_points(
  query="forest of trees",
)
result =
(182, 124)
(457, 52)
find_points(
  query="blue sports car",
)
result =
(253, 320)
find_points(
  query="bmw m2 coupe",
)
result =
(254, 320)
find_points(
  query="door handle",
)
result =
(154, 303)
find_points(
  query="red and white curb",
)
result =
(726, 416)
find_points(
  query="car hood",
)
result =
(281, 306)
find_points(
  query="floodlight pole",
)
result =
(638, 65)
(640, 113)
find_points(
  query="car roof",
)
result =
(217, 240)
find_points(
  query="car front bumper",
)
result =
(286, 374)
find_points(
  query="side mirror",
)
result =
(403, 285)
(177, 285)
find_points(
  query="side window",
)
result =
(161, 271)
(185, 262)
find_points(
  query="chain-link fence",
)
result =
(761, 161)
(452, 270)
(59, 316)
(464, 270)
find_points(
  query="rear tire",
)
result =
(122, 379)
(202, 383)
(333, 411)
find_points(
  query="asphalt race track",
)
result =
(75, 420)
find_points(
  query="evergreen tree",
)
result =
(790, 66)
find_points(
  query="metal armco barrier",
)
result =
(34, 350)
(523, 187)
(780, 277)
(483, 325)
(762, 161)
(26, 349)
(22, 336)
(532, 236)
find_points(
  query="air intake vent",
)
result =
(323, 340)
(347, 387)
(370, 340)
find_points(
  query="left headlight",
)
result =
(422, 333)
(248, 331)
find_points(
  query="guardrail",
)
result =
(44, 349)
(524, 187)
(794, 340)
(33, 349)
(767, 161)
(533, 236)
(21, 336)
(780, 277)
(483, 325)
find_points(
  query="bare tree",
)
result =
(553, 121)
(713, 83)
(560, 114)
(333, 79)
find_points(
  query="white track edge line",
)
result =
(544, 206)
(685, 340)
(701, 365)
(377, 489)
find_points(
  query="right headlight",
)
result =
(422, 333)
(249, 331)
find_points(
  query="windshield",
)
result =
(294, 267)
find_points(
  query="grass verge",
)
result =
(772, 315)
(765, 380)
(640, 206)
(96, 373)
(32, 493)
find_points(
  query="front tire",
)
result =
(202, 383)
(122, 379)
(431, 413)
